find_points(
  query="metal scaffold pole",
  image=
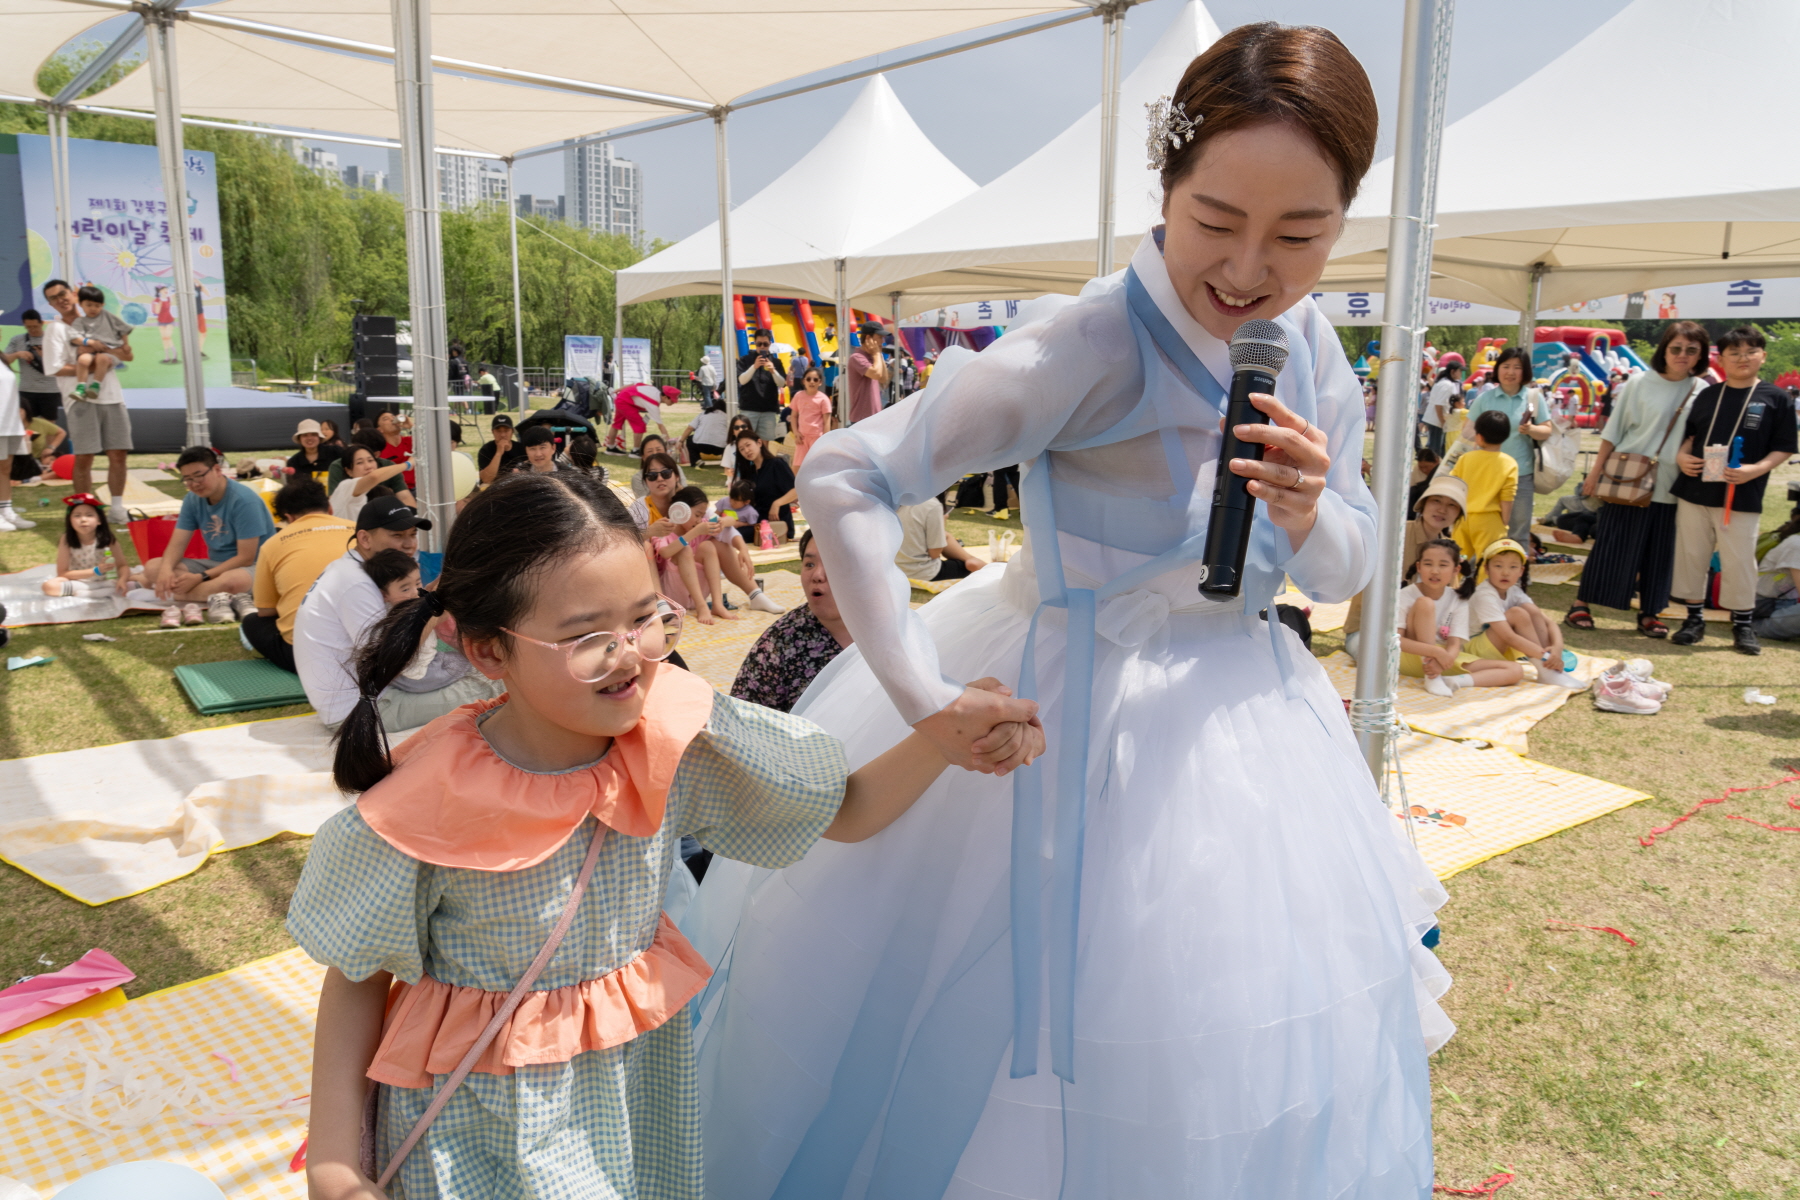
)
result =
(1424, 81)
(159, 26)
(424, 268)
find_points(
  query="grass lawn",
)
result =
(1588, 1067)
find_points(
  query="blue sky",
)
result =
(990, 108)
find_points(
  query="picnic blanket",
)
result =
(139, 496)
(1468, 805)
(22, 593)
(233, 1050)
(112, 821)
(715, 652)
(1502, 716)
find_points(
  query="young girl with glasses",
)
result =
(428, 898)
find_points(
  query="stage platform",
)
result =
(241, 418)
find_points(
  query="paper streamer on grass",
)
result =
(1649, 839)
(1486, 1187)
(1595, 929)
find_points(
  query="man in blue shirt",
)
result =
(234, 522)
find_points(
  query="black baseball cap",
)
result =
(537, 435)
(387, 512)
(501, 421)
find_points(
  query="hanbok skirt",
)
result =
(1253, 1006)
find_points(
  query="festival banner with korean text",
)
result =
(584, 356)
(1743, 299)
(120, 230)
(634, 361)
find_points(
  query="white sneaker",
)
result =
(242, 605)
(116, 515)
(1639, 670)
(218, 608)
(1436, 685)
(13, 517)
(1619, 692)
(6, 526)
(759, 600)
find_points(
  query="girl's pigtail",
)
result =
(1467, 587)
(362, 749)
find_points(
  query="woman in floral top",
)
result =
(796, 648)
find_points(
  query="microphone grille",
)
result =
(1260, 345)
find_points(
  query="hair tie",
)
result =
(434, 602)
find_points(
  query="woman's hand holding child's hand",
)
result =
(1010, 745)
(973, 717)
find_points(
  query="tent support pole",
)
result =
(899, 348)
(58, 125)
(1112, 42)
(1528, 315)
(841, 299)
(512, 222)
(159, 24)
(727, 327)
(1424, 82)
(618, 330)
(424, 266)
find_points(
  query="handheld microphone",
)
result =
(1258, 352)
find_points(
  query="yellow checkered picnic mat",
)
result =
(714, 652)
(1502, 716)
(259, 1016)
(1469, 805)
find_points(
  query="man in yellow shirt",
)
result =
(289, 564)
(1493, 480)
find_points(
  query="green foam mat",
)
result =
(237, 686)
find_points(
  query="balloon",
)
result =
(64, 467)
(463, 475)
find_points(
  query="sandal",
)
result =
(1579, 617)
(1650, 627)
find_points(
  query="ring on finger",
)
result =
(1308, 428)
(1299, 478)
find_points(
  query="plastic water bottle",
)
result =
(765, 537)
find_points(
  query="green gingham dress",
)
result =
(624, 1122)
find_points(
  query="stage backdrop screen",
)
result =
(120, 232)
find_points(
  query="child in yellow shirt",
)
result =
(1493, 480)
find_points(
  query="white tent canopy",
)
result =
(1689, 197)
(839, 199)
(711, 51)
(243, 77)
(1033, 229)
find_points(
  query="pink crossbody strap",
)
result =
(506, 1011)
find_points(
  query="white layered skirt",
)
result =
(1253, 1007)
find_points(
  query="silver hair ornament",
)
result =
(1170, 130)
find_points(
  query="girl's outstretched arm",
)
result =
(344, 1043)
(876, 795)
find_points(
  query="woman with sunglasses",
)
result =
(1634, 547)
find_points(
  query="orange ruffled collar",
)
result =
(453, 802)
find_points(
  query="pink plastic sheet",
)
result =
(41, 995)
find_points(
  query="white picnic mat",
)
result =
(112, 821)
(22, 593)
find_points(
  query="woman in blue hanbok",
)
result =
(1179, 956)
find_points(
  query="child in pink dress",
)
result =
(812, 412)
